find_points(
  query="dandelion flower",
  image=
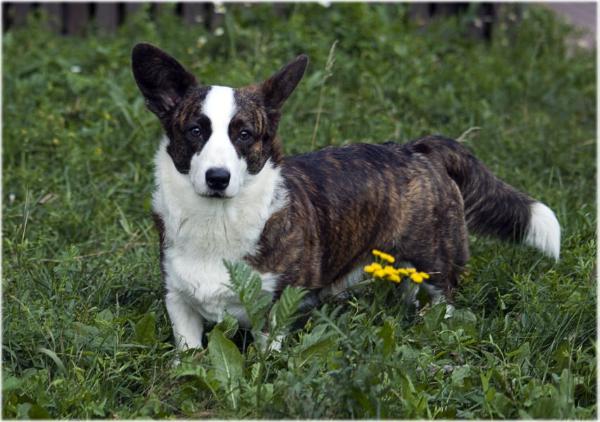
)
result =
(395, 278)
(384, 256)
(416, 277)
(389, 269)
(380, 273)
(389, 272)
(372, 268)
(387, 257)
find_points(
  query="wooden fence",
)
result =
(73, 18)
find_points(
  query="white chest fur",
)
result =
(201, 232)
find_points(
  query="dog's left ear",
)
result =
(278, 87)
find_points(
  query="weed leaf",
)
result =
(434, 317)
(283, 312)
(145, 329)
(248, 286)
(52, 355)
(316, 344)
(387, 335)
(228, 364)
(228, 325)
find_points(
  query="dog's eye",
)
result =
(245, 135)
(195, 132)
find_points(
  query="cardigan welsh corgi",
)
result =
(224, 190)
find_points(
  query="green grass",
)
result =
(85, 332)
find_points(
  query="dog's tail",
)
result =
(493, 207)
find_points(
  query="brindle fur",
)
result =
(405, 199)
(414, 201)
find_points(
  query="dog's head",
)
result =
(217, 135)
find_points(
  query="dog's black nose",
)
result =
(217, 178)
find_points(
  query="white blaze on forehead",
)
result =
(218, 152)
(219, 107)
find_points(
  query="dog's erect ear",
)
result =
(160, 77)
(278, 87)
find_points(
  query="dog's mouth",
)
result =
(215, 195)
(206, 192)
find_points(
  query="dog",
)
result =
(224, 190)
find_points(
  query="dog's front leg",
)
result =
(188, 325)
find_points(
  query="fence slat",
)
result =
(132, 8)
(193, 12)
(77, 17)
(216, 16)
(107, 16)
(20, 11)
(162, 8)
(419, 13)
(54, 11)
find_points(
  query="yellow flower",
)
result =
(390, 273)
(389, 269)
(416, 277)
(387, 257)
(372, 268)
(395, 278)
(384, 256)
(380, 273)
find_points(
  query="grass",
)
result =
(85, 332)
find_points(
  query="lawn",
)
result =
(85, 331)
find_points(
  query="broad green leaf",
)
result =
(145, 329)
(228, 325)
(11, 383)
(228, 364)
(459, 374)
(104, 316)
(52, 355)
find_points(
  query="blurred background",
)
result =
(74, 18)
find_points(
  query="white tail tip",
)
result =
(543, 231)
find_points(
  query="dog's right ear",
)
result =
(160, 77)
